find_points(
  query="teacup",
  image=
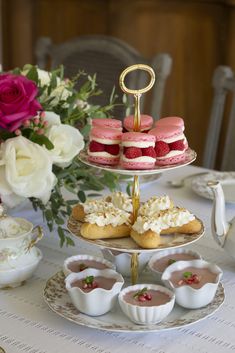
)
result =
(17, 237)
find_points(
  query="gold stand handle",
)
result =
(35, 238)
(137, 124)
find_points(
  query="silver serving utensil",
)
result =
(181, 182)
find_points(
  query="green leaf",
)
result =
(53, 81)
(42, 140)
(81, 196)
(33, 74)
(61, 235)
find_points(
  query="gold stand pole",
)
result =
(137, 123)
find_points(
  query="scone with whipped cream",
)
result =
(110, 223)
(80, 210)
(147, 230)
(154, 205)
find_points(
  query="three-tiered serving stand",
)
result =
(55, 293)
(128, 245)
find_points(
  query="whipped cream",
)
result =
(172, 153)
(121, 201)
(174, 217)
(91, 206)
(102, 154)
(105, 141)
(173, 139)
(155, 204)
(141, 159)
(114, 217)
(139, 144)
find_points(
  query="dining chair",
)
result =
(224, 85)
(107, 57)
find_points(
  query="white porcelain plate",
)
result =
(128, 245)
(59, 301)
(227, 180)
(190, 157)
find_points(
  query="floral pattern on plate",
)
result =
(56, 296)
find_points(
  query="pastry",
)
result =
(121, 200)
(104, 146)
(154, 205)
(146, 123)
(107, 123)
(112, 223)
(147, 231)
(138, 151)
(170, 144)
(80, 210)
(172, 120)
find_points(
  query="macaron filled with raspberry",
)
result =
(138, 151)
(170, 145)
(107, 123)
(146, 123)
(171, 120)
(104, 146)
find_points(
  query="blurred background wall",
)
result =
(199, 35)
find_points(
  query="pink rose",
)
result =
(17, 101)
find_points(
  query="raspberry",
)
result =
(177, 145)
(133, 152)
(149, 151)
(161, 148)
(96, 146)
(112, 149)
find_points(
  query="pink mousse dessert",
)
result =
(107, 123)
(146, 122)
(170, 144)
(104, 146)
(138, 151)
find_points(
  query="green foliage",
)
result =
(70, 100)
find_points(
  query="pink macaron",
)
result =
(170, 144)
(104, 146)
(138, 151)
(146, 123)
(172, 120)
(107, 123)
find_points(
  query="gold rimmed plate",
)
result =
(57, 298)
(128, 244)
(190, 156)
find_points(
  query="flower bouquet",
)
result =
(43, 123)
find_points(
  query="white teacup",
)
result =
(17, 237)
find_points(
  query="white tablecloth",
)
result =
(28, 325)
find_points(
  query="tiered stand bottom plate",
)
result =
(59, 301)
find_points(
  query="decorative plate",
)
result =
(56, 296)
(190, 157)
(227, 180)
(128, 245)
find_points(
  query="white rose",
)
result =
(52, 118)
(25, 171)
(44, 77)
(67, 141)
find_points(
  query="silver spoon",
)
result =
(181, 182)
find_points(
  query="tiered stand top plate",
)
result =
(127, 244)
(190, 157)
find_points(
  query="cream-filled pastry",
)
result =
(111, 223)
(154, 205)
(80, 210)
(147, 231)
(121, 200)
